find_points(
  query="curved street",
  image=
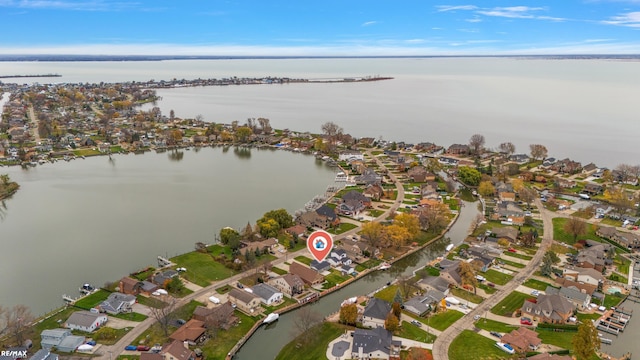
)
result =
(442, 343)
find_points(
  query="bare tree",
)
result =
(17, 322)
(507, 148)
(538, 151)
(575, 227)
(407, 286)
(264, 125)
(305, 323)
(164, 315)
(527, 195)
(332, 131)
(476, 142)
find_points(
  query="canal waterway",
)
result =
(98, 219)
(267, 341)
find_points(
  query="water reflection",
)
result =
(176, 155)
(242, 152)
(3, 210)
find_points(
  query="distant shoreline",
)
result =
(29, 76)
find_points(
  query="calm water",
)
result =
(267, 342)
(583, 109)
(96, 220)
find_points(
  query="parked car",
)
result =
(496, 334)
(526, 321)
(131, 348)
(240, 286)
(142, 348)
(416, 323)
(476, 317)
(181, 321)
(491, 285)
(91, 342)
(512, 250)
(535, 293)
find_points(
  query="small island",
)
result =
(7, 187)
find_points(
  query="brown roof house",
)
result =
(221, 316)
(418, 174)
(192, 331)
(244, 300)
(549, 308)
(323, 217)
(177, 350)
(290, 284)
(308, 275)
(522, 339)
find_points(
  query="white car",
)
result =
(535, 293)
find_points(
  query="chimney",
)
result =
(186, 344)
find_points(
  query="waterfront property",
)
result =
(86, 321)
(375, 313)
(117, 303)
(376, 343)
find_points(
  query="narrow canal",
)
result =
(267, 342)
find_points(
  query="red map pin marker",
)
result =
(319, 244)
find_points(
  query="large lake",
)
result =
(96, 220)
(582, 109)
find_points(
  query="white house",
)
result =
(350, 156)
(268, 294)
(375, 313)
(86, 321)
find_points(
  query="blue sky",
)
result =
(327, 27)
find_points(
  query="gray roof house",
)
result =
(375, 313)
(267, 293)
(61, 339)
(320, 266)
(578, 298)
(85, 321)
(117, 303)
(376, 343)
(549, 308)
(44, 354)
(421, 304)
(435, 283)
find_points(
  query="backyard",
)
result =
(202, 269)
(510, 304)
(471, 346)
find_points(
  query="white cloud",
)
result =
(93, 5)
(369, 23)
(631, 19)
(518, 12)
(444, 8)
(475, 19)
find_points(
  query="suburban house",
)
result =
(422, 304)
(508, 233)
(244, 300)
(162, 278)
(339, 257)
(435, 283)
(177, 350)
(61, 339)
(449, 271)
(350, 155)
(375, 313)
(320, 266)
(549, 308)
(579, 299)
(130, 286)
(420, 174)
(368, 177)
(519, 158)
(507, 196)
(585, 275)
(290, 284)
(117, 303)
(626, 239)
(222, 316)
(353, 202)
(296, 230)
(376, 343)
(592, 189)
(268, 294)
(373, 192)
(522, 340)
(458, 149)
(43, 354)
(86, 321)
(581, 286)
(323, 217)
(264, 246)
(308, 275)
(593, 257)
(192, 331)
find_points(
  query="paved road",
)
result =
(36, 121)
(110, 352)
(442, 343)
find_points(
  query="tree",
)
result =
(437, 217)
(228, 234)
(175, 285)
(486, 188)
(476, 142)
(305, 322)
(517, 185)
(527, 195)
(373, 232)
(469, 176)
(409, 222)
(243, 133)
(164, 315)
(391, 323)
(586, 342)
(332, 131)
(575, 227)
(507, 148)
(281, 216)
(349, 314)
(538, 151)
(248, 233)
(396, 309)
(503, 242)
(548, 260)
(419, 354)
(529, 239)
(618, 198)
(268, 227)
(17, 322)
(467, 275)
(397, 235)
(407, 285)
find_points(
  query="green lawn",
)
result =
(471, 346)
(467, 295)
(510, 304)
(202, 269)
(316, 346)
(150, 302)
(492, 325)
(52, 322)
(410, 331)
(536, 284)
(155, 335)
(443, 320)
(303, 259)
(334, 279)
(220, 346)
(622, 264)
(132, 316)
(561, 235)
(612, 300)
(278, 271)
(343, 227)
(584, 317)
(387, 293)
(561, 339)
(511, 263)
(487, 289)
(516, 255)
(92, 300)
(497, 277)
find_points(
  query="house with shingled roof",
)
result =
(549, 308)
(375, 313)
